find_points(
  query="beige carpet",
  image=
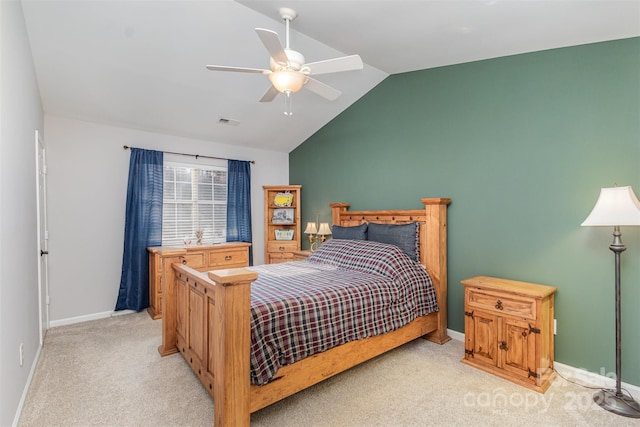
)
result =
(108, 372)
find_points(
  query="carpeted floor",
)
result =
(108, 372)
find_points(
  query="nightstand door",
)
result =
(518, 347)
(481, 329)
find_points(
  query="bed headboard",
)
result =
(433, 236)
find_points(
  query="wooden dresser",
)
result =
(200, 257)
(508, 330)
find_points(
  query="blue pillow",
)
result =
(357, 232)
(404, 236)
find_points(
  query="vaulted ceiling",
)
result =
(141, 64)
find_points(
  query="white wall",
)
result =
(20, 115)
(87, 186)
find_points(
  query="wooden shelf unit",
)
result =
(509, 330)
(281, 250)
(200, 257)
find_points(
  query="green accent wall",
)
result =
(522, 145)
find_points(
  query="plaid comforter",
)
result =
(346, 290)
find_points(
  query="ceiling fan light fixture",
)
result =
(289, 72)
(287, 80)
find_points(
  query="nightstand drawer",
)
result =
(300, 255)
(512, 305)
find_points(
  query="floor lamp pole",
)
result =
(614, 400)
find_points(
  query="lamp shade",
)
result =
(288, 80)
(324, 229)
(615, 206)
(311, 228)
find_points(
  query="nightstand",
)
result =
(300, 255)
(508, 330)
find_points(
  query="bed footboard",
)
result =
(211, 328)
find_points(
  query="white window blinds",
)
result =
(195, 198)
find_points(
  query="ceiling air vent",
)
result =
(230, 122)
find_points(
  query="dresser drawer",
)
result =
(275, 247)
(229, 258)
(195, 259)
(513, 305)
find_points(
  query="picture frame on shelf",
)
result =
(283, 216)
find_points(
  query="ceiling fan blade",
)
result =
(237, 69)
(272, 43)
(345, 63)
(270, 94)
(322, 89)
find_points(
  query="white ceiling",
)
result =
(141, 64)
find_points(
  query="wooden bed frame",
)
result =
(206, 317)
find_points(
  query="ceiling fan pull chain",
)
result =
(287, 103)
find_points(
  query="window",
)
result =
(195, 198)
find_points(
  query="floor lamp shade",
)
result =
(615, 207)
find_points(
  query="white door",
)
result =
(43, 236)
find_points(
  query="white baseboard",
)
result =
(23, 398)
(458, 336)
(88, 317)
(591, 379)
(578, 375)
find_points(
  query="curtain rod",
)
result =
(253, 162)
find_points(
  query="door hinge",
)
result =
(469, 314)
(533, 330)
(533, 374)
(468, 352)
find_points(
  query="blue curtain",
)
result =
(239, 203)
(143, 227)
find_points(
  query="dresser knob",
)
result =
(503, 345)
(227, 258)
(499, 305)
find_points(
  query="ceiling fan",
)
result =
(288, 71)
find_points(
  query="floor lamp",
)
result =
(615, 207)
